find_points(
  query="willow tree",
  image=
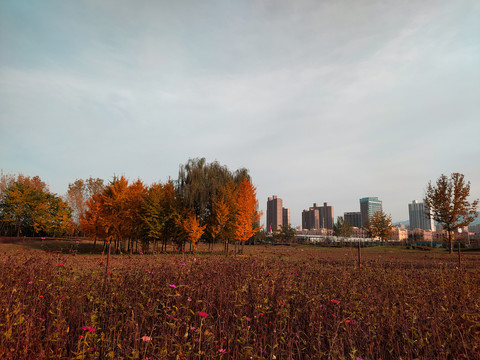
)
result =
(448, 202)
(200, 182)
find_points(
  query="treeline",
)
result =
(207, 202)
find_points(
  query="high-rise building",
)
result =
(417, 213)
(354, 218)
(286, 216)
(368, 207)
(318, 217)
(310, 219)
(274, 213)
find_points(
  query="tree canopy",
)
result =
(27, 207)
(447, 199)
(380, 226)
(342, 228)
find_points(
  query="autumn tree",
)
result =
(136, 193)
(448, 202)
(77, 195)
(219, 218)
(114, 211)
(28, 207)
(193, 230)
(90, 221)
(381, 226)
(246, 214)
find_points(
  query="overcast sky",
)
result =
(323, 101)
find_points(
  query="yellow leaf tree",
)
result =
(247, 217)
(193, 230)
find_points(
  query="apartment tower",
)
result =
(318, 217)
(274, 213)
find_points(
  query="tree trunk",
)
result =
(450, 242)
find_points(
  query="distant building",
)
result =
(353, 218)
(418, 218)
(274, 213)
(399, 234)
(318, 217)
(286, 216)
(474, 228)
(368, 207)
(310, 219)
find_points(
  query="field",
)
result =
(294, 302)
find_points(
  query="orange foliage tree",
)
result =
(220, 217)
(247, 217)
(193, 230)
(91, 222)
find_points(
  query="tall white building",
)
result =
(418, 217)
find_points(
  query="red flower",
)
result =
(202, 314)
(335, 301)
(61, 265)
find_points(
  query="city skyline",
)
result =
(325, 101)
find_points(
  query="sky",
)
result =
(323, 101)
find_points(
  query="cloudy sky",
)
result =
(323, 101)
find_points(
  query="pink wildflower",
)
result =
(335, 301)
(88, 328)
(222, 351)
(61, 265)
(202, 314)
(146, 338)
(172, 286)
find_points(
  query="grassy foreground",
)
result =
(271, 303)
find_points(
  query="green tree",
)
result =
(285, 233)
(342, 228)
(152, 214)
(198, 183)
(448, 202)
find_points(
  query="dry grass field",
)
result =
(59, 301)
